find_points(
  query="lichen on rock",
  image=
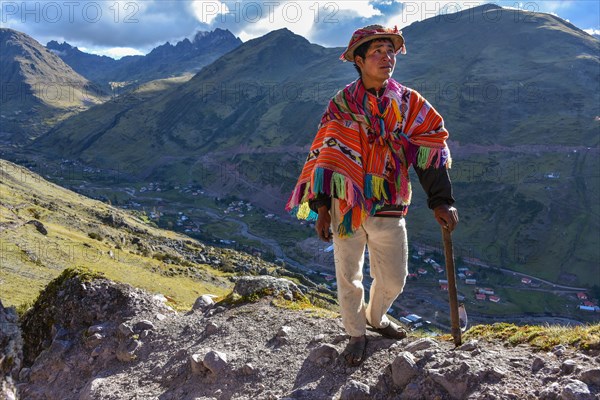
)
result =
(253, 288)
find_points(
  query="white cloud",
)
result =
(255, 19)
(206, 11)
(296, 16)
(418, 11)
(592, 31)
(362, 8)
(127, 25)
(113, 52)
(553, 6)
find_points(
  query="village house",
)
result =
(588, 308)
(413, 321)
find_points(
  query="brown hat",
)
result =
(371, 32)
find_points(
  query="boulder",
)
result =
(11, 351)
(125, 330)
(196, 364)
(355, 390)
(591, 376)
(404, 368)
(91, 391)
(567, 367)
(38, 226)
(203, 303)
(248, 369)
(469, 346)
(284, 331)
(421, 344)
(126, 350)
(576, 390)
(211, 328)
(538, 363)
(323, 354)
(551, 392)
(249, 286)
(216, 362)
(144, 325)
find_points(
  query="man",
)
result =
(356, 180)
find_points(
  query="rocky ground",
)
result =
(90, 338)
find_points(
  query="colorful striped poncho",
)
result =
(361, 152)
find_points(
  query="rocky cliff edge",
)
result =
(87, 337)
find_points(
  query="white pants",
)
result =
(388, 255)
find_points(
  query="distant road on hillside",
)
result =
(479, 263)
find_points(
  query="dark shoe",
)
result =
(391, 331)
(354, 353)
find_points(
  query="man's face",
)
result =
(378, 64)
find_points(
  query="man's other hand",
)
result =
(323, 224)
(446, 216)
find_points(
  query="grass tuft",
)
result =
(543, 337)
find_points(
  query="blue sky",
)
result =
(120, 27)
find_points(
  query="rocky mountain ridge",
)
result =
(164, 61)
(38, 88)
(103, 340)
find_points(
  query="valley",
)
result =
(220, 219)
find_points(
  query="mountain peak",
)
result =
(208, 38)
(9, 32)
(283, 36)
(10, 35)
(64, 46)
(283, 32)
(24, 62)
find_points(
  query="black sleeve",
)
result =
(320, 200)
(437, 185)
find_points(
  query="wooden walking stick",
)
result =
(452, 296)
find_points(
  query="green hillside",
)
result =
(37, 88)
(45, 229)
(164, 61)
